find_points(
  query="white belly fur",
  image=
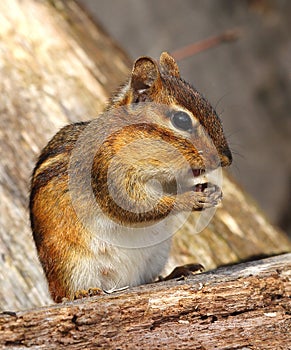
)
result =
(111, 267)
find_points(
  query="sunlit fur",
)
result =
(74, 257)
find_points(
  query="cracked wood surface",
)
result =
(58, 67)
(245, 306)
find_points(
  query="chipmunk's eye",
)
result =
(182, 121)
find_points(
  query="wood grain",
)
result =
(246, 306)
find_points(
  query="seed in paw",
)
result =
(200, 187)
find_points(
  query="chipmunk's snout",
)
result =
(225, 157)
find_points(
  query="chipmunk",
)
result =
(102, 183)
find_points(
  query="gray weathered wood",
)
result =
(50, 76)
(246, 306)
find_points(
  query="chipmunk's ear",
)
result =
(145, 74)
(169, 65)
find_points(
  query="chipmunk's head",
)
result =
(187, 114)
(173, 136)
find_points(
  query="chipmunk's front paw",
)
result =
(82, 293)
(201, 197)
(213, 195)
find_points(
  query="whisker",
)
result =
(234, 132)
(238, 154)
(220, 99)
(234, 169)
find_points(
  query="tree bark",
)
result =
(244, 306)
(58, 67)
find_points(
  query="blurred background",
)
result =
(247, 81)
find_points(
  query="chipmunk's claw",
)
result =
(181, 272)
(82, 293)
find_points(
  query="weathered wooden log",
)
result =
(58, 67)
(245, 306)
(51, 75)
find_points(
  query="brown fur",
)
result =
(59, 235)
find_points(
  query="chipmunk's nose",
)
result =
(225, 157)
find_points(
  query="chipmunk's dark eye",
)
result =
(182, 121)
